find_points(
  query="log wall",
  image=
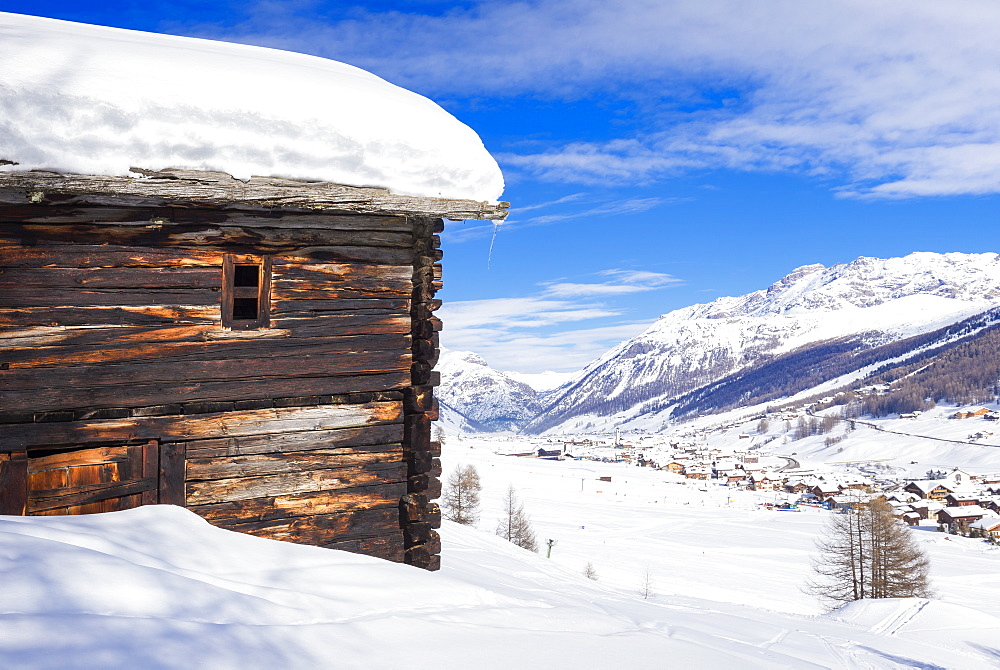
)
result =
(115, 369)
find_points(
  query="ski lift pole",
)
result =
(551, 544)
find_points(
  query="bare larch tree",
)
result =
(868, 553)
(461, 495)
(514, 525)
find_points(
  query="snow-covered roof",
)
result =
(88, 99)
(928, 485)
(965, 510)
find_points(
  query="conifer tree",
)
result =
(589, 571)
(460, 499)
(868, 553)
(514, 525)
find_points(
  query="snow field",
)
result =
(715, 544)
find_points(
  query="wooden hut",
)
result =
(260, 352)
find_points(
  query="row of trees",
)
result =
(460, 501)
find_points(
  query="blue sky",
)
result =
(660, 153)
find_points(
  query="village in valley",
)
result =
(771, 462)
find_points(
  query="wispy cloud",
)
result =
(897, 98)
(472, 230)
(533, 333)
(621, 282)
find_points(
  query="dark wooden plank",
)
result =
(13, 483)
(297, 461)
(323, 529)
(304, 504)
(171, 474)
(77, 457)
(155, 394)
(115, 256)
(228, 490)
(151, 469)
(214, 425)
(159, 217)
(69, 496)
(369, 438)
(87, 297)
(161, 352)
(146, 315)
(388, 546)
(327, 325)
(111, 278)
(335, 359)
(263, 239)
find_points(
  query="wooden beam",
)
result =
(177, 187)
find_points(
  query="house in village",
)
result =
(988, 526)
(961, 517)
(933, 489)
(258, 350)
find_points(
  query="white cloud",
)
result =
(530, 334)
(893, 98)
(472, 230)
(622, 282)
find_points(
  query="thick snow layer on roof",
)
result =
(95, 100)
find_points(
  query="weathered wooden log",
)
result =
(429, 486)
(389, 547)
(335, 359)
(298, 461)
(113, 256)
(426, 555)
(171, 474)
(419, 462)
(193, 351)
(322, 529)
(193, 235)
(348, 440)
(417, 532)
(413, 507)
(435, 449)
(223, 424)
(417, 432)
(433, 515)
(13, 482)
(304, 504)
(153, 217)
(418, 398)
(145, 315)
(245, 488)
(70, 496)
(174, 186)
(191, 395)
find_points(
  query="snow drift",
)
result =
(95, 100)
(157, 587)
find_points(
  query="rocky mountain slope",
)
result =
(476, 396)
(811, 313)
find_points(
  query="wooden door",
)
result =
(84, 480)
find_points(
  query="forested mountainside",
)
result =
(816, 326)
(948, 356)
(963, 372)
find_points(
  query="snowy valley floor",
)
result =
(156, 587)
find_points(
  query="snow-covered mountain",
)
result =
(476, 397)
(844, 309)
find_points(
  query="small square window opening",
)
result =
(246, 287)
